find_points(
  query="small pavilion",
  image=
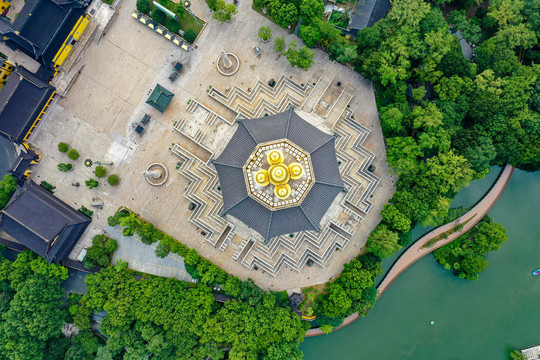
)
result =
(160, 98)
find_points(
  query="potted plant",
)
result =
(265, 33)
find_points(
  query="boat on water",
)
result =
(536, 272)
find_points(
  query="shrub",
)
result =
(91, 183)
(73, 154)
(212, 4)
(7, 188)
(113, 180)
(265, 33)
(259, 4)
(115, 219)
(100, 171)
(162, 250)
(101, 251)
(173, 25)
(63, 147)
(190, 36)
(159, 16)
(279, 44)
(143, 6)
(65, 167)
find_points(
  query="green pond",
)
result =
(473, 320)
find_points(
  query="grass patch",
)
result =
(186, 22)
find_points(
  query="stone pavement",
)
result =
(97, 115)
(141, 257)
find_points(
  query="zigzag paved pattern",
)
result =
(284, 250)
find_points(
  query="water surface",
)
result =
(473, 320)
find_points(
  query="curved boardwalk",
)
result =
(413, 253)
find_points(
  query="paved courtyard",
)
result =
(98, 112)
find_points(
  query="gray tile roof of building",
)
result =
(21, 100)
(42, 222)
(271, 223)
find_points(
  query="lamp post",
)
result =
(187, 5)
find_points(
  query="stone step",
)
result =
(319, 90)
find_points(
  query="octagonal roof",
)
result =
(274, 222)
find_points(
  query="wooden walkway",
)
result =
(413, 253)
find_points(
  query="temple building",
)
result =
(46, 29)
(23, 101)
(41, 222)
(279, 174)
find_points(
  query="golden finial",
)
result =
(261, 178)
(296, 171)
(275, 157)
(282, 191)
(279, 174)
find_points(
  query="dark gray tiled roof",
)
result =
(238, 149)
(21, 100)
(319, 199)
(34, 217)
(305, 135)
(307, 215)
(325, 165)
(269, 128)
(42, 26)
(367, 13)
(234, 188)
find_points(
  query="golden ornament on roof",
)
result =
(275, 157)
(282, 191)
(279, 174)
(261, 178)
(296, 171)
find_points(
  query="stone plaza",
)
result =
(104, 86)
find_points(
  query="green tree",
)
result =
(410, 13)
(383, 242)
(35, 315)
(311, 9)
(337, 303)
(100, 171)
(113, 180)
(7, 188)
(279, 44)
(395, 219)
(63, 147)
(92, 183)
(143, 6)
(62, 167)
(402, 154)
(159, 16)
(73, 154)
(265, 33)
(174, 26)
(224, 11)
(162, 250)
(310, 34)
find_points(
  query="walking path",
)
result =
(416, 250)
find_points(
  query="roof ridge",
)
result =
(329, 184)
(291, 110)
(315, 227)
(241, 121)
(214, 162)
(234, 205)
(322, 144)
(267, 237)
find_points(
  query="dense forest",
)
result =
(446, 119)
